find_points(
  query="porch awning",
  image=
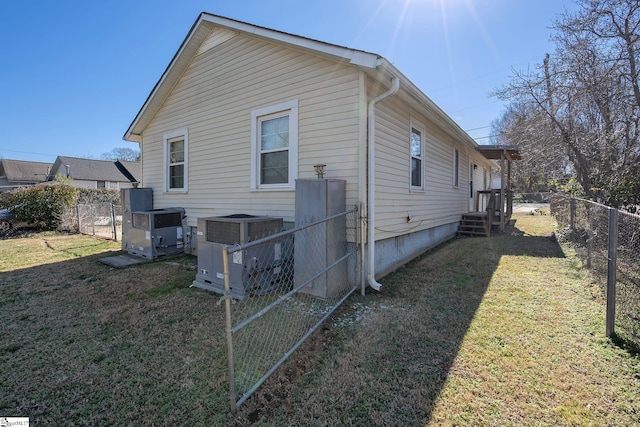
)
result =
(498, 152)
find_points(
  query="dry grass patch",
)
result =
(506, 330)
(484, 331)
(85, 344)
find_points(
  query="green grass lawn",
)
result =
(507, 330)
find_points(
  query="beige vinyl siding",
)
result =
(214, 100)
(440, 203)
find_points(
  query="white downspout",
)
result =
(371, 193)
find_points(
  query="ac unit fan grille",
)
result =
(226, 233)
(141, 220)
(260, 229)
(229, 232)
(170, 219)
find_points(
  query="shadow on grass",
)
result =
(391, 368)
(627, 309)
(82, 343)
(630, 346)
(450, 284)
(461, 273)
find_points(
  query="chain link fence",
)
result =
(539, 197)
(608, 240)
(95, 219)
(628, 279)
(100, 219)
(279, 289)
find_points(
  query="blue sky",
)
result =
(75, 73)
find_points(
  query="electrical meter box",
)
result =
(317, 199)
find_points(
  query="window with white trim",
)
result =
(176, 151)
(274, 134)
(456, 167)
(417, 157)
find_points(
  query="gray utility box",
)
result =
(133, 200)
(136, 199)
(253, 271)
(325, 243)
(155, 233)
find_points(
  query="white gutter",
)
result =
(371, 204)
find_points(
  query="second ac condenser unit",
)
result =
(155, 233)
(252, 271)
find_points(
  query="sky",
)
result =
(74, 74)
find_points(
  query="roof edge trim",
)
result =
(132, 136)
(355, 57)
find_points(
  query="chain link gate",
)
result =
(312, 269)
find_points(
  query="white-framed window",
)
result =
(416, 165)
(274, 145)
(101, 184)
(456, 168)
(176, 160)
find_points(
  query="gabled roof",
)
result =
(22, 171)
(93, 170)
(203, 33)
(201, 30)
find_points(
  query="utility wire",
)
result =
(27, 152)
(483, 127)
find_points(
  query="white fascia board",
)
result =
(423, 99)
(355, 57)
(136, 137)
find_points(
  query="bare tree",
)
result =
(584, 100)
(543, 161)
(122, 153)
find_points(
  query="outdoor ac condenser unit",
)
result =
(133, 200)
(155, 233)
(252, 271)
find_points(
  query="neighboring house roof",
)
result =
(210, 30)
(93, 170)
(22, 171)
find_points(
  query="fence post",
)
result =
(589, 236)
(93, 219)
(227, 306)
(113, 222)
(362, 229)
(572, 217)
(611, 271)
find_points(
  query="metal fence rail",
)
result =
(99, 219)
(539, 197)
(608, 240)
(284, 286)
